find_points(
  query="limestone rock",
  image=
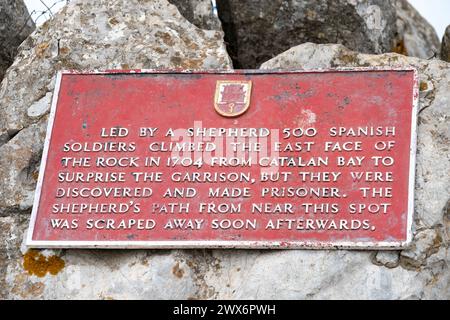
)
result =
(263, 29)
(389, 259)
(40, 107)
(199, 12)
(19, 168)
(445, 47)
(415, 36)
(103, 35)
(426, 243)
(259, 30)
(92, 274)
(15, 25)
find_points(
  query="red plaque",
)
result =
(249, 159)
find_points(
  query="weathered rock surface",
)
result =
(15, 25)
(258, 30)
(389, 259)
(422, 271)
(19, 163)
(415, 36)
(199, 12)
(445, 47)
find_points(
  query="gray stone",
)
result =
(15, 25)
(310, 275)
(258, 30)
(426, 243)
(415, 36)
(199, 12)
(40, 107)
(389, 259)
(19, 168)
(445, 47)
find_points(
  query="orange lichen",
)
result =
(35, 175)
(64, 50)
(400, 48)
(41, 48)
(36, 263)
(423, 86)
(166, 38)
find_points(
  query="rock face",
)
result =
(157, 36)
(258, 30)
(199, 12)
(15, 25)
(445, 47)
(415, 36)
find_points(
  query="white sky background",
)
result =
(437, 12)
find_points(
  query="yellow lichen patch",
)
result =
(39, 265)
(423, 86)
(35, 175)
(41, 48)
(400, 48)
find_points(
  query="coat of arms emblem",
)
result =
(232, 97)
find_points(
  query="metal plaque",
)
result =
(234, 159)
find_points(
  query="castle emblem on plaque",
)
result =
(232, 98)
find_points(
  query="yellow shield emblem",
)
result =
(232, 97)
